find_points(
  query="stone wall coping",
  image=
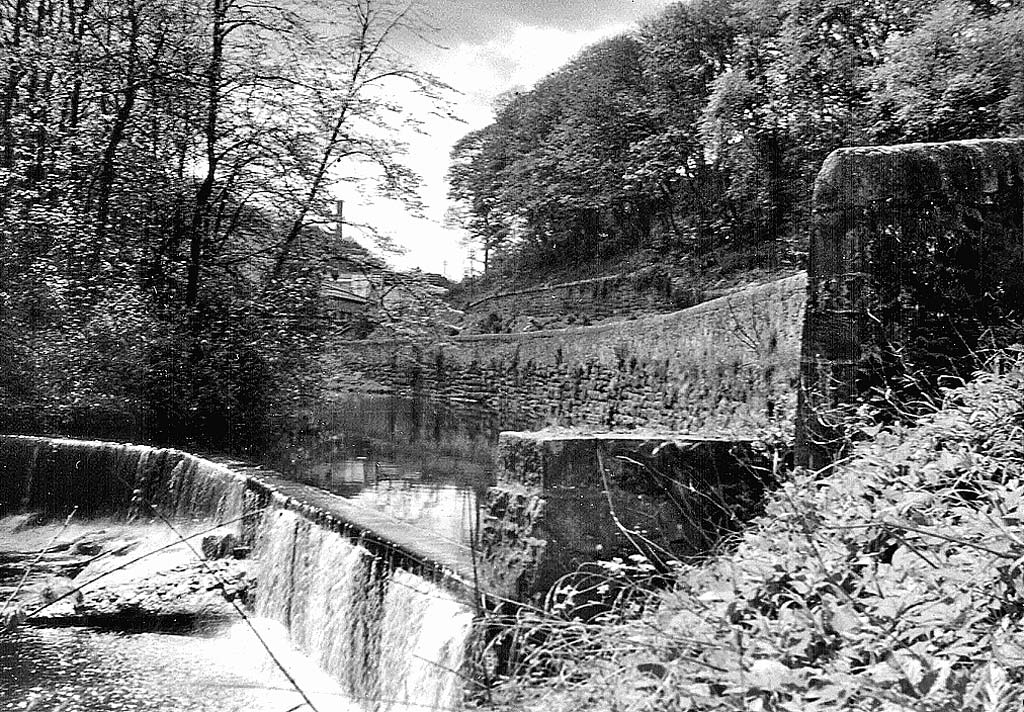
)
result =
(862, 176)
(374, 526)
(653, 320)
(639, 436)
(57, 440)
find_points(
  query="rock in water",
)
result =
(219, 546)
(60, 588)
(11, 617)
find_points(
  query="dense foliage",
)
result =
(165, 166)
(704, 129)
(892, 582)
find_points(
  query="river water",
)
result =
(421, 462)
(224, 669)
(418, 462)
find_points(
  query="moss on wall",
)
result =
(916, 268)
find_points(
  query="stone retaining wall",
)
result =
(727, 365)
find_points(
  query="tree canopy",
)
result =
(703, 129)
(164, 168)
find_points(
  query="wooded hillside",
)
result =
(702, 130)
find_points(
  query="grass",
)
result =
(893, 581)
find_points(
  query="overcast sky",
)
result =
(490, 46)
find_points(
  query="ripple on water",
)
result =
(88, 670)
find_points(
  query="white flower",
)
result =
(769, 675)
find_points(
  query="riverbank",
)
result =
(891, 582)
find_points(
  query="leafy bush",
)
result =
(606, 591)
(119, 370)
(893, 582)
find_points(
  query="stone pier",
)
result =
(563, 499)
(915, 274)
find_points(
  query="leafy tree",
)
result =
(160, 162)
(956, 75)
(710, 124)
(548, 173)
(478, 159)
(684, 50)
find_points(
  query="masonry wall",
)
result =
(563, 499)
(727, 365)
(916, 271)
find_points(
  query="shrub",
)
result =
(894, 581)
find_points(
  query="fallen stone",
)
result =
(219, 546)
(11, 617)
(54, 588)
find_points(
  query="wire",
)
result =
(234, 604)
(138, 558)
(39, 556)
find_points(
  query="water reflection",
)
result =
(421, 462)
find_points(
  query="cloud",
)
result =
(478, 21)
(495, 46)
(525, 55)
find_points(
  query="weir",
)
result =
(379, 615)
(915, 264)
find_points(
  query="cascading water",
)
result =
(427, 630)
(393, 640)
(98, 478)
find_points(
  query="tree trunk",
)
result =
(200, 210)
(106, 173)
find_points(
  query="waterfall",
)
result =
(393, 640)
(196, 487)
(425, 631)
